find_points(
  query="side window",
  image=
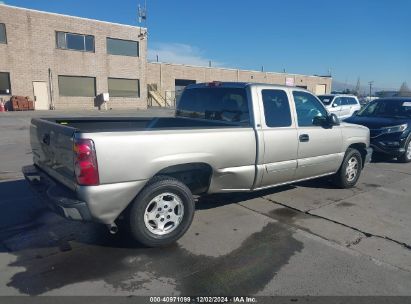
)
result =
(276, 108)
(345, 101)
(307, 107)
(352, 101)
(337, 102)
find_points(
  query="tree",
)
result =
(404, 90)
(348, 91)
(358, 87)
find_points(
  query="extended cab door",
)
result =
(319, 148)
(279, 133)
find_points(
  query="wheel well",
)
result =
(362, 148)
(196, 176)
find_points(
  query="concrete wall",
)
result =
(31, 50)
(164, 75)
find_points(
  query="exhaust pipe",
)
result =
(112, 228)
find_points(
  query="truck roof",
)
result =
(338, 95)
(238, 85)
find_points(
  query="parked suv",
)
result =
(343, 106)
(389, 121)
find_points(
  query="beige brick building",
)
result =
(31, 50)
(64, 62)
(167, 77)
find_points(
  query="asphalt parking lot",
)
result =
(303, 239)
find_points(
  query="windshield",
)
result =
(387, 108)
(326, 99)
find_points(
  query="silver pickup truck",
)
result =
(224, 137)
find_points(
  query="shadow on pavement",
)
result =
(52, 253)
(18, 205)
(216, 200)
(382, 158)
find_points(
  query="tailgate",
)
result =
(52, 146)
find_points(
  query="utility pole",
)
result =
(370, 84)
(142, 19)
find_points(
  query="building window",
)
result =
(3, 36)
(118, 87)
(122, 47)
(5, 88)
(77, 86)
(77, 42)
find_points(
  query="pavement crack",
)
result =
(366, 234)
(355, 242)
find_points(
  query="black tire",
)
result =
(158, 185)
(406, 158)
(340, 178)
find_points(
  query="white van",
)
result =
(343, 106)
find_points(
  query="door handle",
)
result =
(304, 137)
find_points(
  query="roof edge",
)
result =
(70, 16)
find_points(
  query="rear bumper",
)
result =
(102, 203)
(58, 198)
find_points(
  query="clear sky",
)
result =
(370, 39)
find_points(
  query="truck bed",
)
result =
(52, 142)
(113, 124)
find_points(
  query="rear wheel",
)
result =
(406, 157)
(162, 212)
(350, 170)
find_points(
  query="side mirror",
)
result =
(320, 121)
(334, 105)
(333, 120)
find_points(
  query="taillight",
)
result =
(85, 162)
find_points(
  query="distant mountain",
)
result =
(341, 86)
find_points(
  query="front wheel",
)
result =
(406, 157)
(350, 170)
(162, 212)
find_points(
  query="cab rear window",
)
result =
(228, 105)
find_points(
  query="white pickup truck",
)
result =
(225, 137)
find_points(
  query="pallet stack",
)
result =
(21, 103)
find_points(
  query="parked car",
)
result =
(225, 137)
(343, 106)
(389, 121)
